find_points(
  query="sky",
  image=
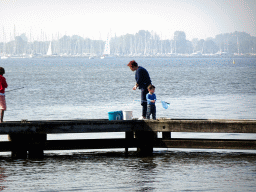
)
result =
(97, 19)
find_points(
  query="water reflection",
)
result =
(2, 179)
(114, 171)
(145, 174)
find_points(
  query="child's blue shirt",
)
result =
(150, 97)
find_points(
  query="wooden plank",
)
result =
(207, 144)
(212, 126)
(98, 125)
(75, 144)
(73, 126)
(89, 144)
(132, 143)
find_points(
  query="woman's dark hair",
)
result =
(132, 64)
(2, 71)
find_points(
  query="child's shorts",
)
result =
(2, 103)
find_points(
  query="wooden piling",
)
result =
(36, 145)
(19, 145)
(166, 135)
(129, 136)
(24, 144)
(145, 142)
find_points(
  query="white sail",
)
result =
(4, 57)
(49, 52)
(106, 53)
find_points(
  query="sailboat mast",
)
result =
(237, 45)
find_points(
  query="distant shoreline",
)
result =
(149, 56)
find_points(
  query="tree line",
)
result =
(142, 43)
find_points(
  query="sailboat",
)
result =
(4, 57)
(106, 53)
(49, 52)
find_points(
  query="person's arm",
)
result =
(135, 87)
(139, 78)
(148, 99)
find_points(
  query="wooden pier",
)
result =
(30, 137)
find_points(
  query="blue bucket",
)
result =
(115, 115)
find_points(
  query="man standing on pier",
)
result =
(142, 82)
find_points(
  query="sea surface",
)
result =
(81, 88)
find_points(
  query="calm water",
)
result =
(84, 89)
(79, 88)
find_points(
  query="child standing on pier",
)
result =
(3, 86)
(151, 99)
